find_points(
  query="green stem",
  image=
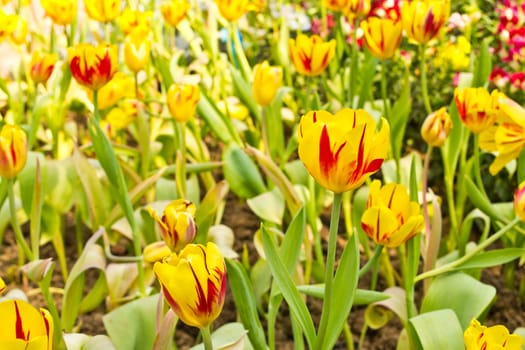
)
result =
(353, 67)
(449, 190)
(450, 266)
(477, 168)
(143, 136)
(239, 53)
(58, 340)
(14, 221)
(372, 261)
(206, 338)
(424, 87)
(180, 173)
(330, 266)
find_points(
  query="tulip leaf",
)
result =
(242, 174)
(132, 326)
(492, 258)
(480, 201)
(268, 206)
(245, 303)
(399, 117)
(362, 296)
(244, 91)
(466, 228)
(215, 120)
(424, 335)
(230, 336)
(367, 78)
(454, 143)
(451, 291)
(483, 65)
(80, 341)
(207, 209)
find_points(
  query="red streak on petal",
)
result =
(314, 117)
(18, 325)
(305, 60)
(327, 159)
(324, 62)
(170, 300)
(46, 323)
(374, 165)
(202, 301)
(430, 25)
(360, 157)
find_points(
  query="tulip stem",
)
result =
(477, 168)
(354, 66)
(239, 53)
(206, 338)
(14, 221)
(330, 264)
(372, 261)
(180, 169)
(424, 87)
(428, 229)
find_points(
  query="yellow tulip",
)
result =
(102, 10)
(182, 101)
(41, 66)
(137, 47)
(60, 11)
(336, 5)
(476, 107)
(266, 81)
(156, 251)
(479, 337)
(18, 31)
(390, 218)
(341, 151)
(23, 327)
(177, 223)
(423, 19)
(93, 66)
(436, 127)
(2, 285)
(119, 87)
(13, 151)
(382, 36)
(194, 283)
(131, 19)
(123, 115)
(357, 8)
(232, 10)
(174, 11)
(311, 55)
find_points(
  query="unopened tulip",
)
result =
(13, 151)
(24, 327)
(60, 11)
(122, 116)
(341, 151)
(311, 55)
(119, 87)
(177, 224)
(102, 10)
(18, 31)
(137, 47)
(267, 80)
(357, 8)
(479, 337)
(232, 10)
(156, 251)
(93, 66)
(390, 218)
(423, 19)
(131, 19)
(476, 107)
(194, 283)
(382, 36)
(174, 11)
(336, 5)
(436, 128)
(182, 101)
(41, 66)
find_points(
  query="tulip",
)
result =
(311, 55)
(519, 201)
(13, 151)
(436, 127)
(2, 285)
(423, 19)
(119, 87)
(477, 109)
(131, 19)
(177, 224)
(41, 66)
(357, 8)
(93, 66)
(390, 218)
(23, 327)
(6, 25)
(137, 47)
(336, 5)
(182, 101)
(123, 115)
(382, 36)
(174, 11)
(18, 31)
(341, 151)
(232, 10)
(478, 337)
(194, 283)
(60, 11)
(102, 10)
(267, 80)
(156, 251)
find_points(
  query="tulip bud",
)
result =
(477, 109)
(18, 30)
(41, 66)
(119, 87)
(61, 12)
(102, 10)
(137, 47)
(357, 8)
(194, 283)
(519, 201)
(311, 55)
(93, 66)
(182, 101)
(13, 151)
(382, 36)
(131, 19)
(423, 19)
(232, 10)
(24, 327)
(479, 337)
(436, 127)
(177, 223)
(267, 80)
(174, 11)
(37, 270)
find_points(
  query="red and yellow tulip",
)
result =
(341, 151)
(519, 201)
(174, 11)
(436, 127)
(93, 66)
(476, 107)
(266, 81)
(182, 101)
(336, 5)
(13, 151)
(24, 327)
(177, 224)
(194, 283)
(357, 8)
(311, 55)
(41, 66)
(479, 337)
(131, 19)
(2, 285)
(423, 19)
(119, 87)
(60, 11)
(232, 10)
(382, 36)
(390, 218)
(102, 10)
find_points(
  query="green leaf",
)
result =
(399, 116)
(367, 78)
(245, 303)
(242, 174)
(480, 201)
(454, 142)
(244, 91)
(483, 65)
(162, 65)
(362, 296)
(293, 239)
(436, 330)
(452, 291)
(230, 336)
(132, 326)
(492, 258)
(215, 119)
(207, 209)
(268, 206)
(80, 341)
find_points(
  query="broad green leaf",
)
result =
(132, 326)
(436, 330)
(207, 209)
(214, 119)
(480, 201)
(399, 116)
(452, 291)
(26, 178)
(483, 65)
(120, 279)
(244, 91)
(492, 258)
(230, 336)
(162, 65)
(466, 228)
(290, 249)
(268, 206)
(367, 78)
(362, 296)
(80, 341)
(245, 303)
(242, 174)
